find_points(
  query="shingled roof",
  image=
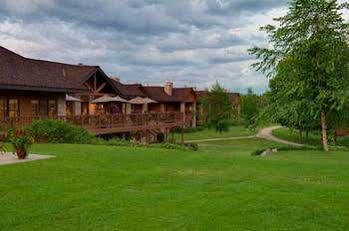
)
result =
(20, 73)
(129, 91)
(178, 94)
(157, 93)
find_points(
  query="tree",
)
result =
(219, 107)
(314, 35)
(288, 102)
(249, 108)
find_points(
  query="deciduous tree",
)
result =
(314, 35)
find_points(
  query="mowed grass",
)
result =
(314, 138)
(210, 133)
(220, 187)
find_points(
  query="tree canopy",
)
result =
(308, 63)
(219, 106)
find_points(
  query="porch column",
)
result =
(183, 111)
(194, 115)
(128, 109)
(162, 108)
(61, 106)
(145, 108)
(77, 108)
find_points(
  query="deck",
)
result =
(108, 124)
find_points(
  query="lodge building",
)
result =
(34, 89)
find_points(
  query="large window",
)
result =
(35, 107)
(13, 108)
(52, 108)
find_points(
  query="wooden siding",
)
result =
(25, 98)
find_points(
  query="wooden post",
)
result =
(182, 135)
(172, 131)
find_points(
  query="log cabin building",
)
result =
(31, 89)
(36, 89)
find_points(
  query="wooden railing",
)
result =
(131, 121)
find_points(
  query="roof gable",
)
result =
(18, 71)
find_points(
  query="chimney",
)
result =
(168, 88)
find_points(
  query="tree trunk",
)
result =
(300, 138)
(324, 131)
(307, 135)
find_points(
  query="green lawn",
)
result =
(220, 187)
(313, 139)
(207, 133)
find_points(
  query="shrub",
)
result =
(190, 129)
(126, 143)
(187, 146)
(192, 146)
(53, 131)
(223, 126)
(21, 145)
(258, 152)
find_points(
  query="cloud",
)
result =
(190, 42)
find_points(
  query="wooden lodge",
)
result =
(84, 95)
(35, 89)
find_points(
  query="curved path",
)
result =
(265, 133)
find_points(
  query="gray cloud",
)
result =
(191, 42)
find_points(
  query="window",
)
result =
(13, 108)
(43, 108)
(52, 108)
(35, 107)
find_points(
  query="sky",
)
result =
(188, 42)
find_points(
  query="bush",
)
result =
(192, 146)
(53, 131)
(223, 126)
(259, 152)
(187, 146)
(21, 145)
(126, 143)
(190, 129)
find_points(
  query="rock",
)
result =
(269, 152)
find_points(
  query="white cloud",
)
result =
(192, 43)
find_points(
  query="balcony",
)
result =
(107, 124)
